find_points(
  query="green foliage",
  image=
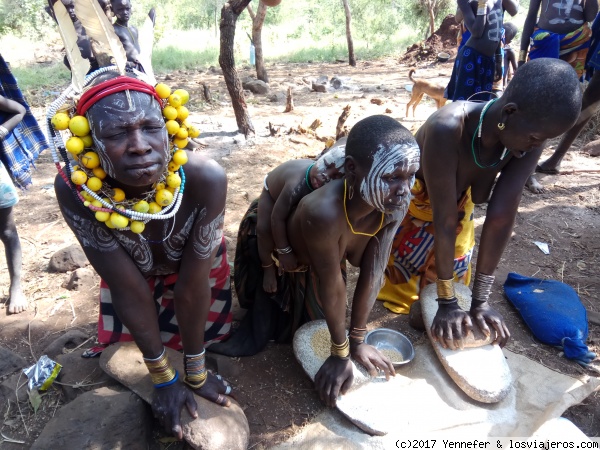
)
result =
(47, 76)
(24, 17)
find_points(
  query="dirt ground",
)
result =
(275, 394)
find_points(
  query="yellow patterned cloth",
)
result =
(412, 265)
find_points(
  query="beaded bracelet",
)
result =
(284, 251)
(445, 289)
(195, 370)
(161, 371)
(341, 350)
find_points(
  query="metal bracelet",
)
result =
(284, 251)
(482, 287)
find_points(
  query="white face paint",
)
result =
(208, 237)
(374, 189)
(335, 157)
(131, 108)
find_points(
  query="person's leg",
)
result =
(12, 248)
(265, 241)
(589, 105)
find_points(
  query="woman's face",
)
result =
(522, 136)
(387, 183)
(130, 137)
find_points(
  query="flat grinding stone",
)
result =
(216, 428)
(481, 372)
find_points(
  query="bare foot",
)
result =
(17, 303)
(269, 280)
(534, 186)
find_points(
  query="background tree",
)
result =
(229, 15)
(351, 57)
(257, 24)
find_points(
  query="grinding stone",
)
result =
(481, 372)
(216, 428)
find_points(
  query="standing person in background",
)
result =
(128, 34)
(475, 67)
(560, 31)
(21, 141)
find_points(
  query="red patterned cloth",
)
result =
(218, 324)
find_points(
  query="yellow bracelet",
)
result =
(341, 350)
(445, 289)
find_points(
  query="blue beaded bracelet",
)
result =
(168, 383)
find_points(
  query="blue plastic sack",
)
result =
(553, 312)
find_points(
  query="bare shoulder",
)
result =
(322, 209)
(444, 125)
(203, 177)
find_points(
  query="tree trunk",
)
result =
(229, 15)
(257, 23)
(431, 10)
(351, 57)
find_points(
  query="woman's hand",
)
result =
(167, 404)
(216, 389)
(450, 325)
(373, 360)
(483, 314)
(334, 378)
(288, 262)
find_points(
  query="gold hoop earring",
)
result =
(501, 126)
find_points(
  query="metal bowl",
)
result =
(391, 342)
(443, 56)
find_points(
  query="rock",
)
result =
(79, 375)
(84, 277)
(216, 428)
(319, 87)
(10, 362)
(276, 97)
(100, 419)
(70, 339)
(592, 148)
(321, 79)
(9, 391)
(336, 83)
(256, 86)
(67, 259)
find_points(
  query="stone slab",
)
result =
(98, 420)
(481, 372)
(312, 343)
(216, 428)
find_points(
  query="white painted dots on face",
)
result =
(374, 188)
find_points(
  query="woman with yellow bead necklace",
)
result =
(143, 236)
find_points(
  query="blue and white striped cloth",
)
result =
(20, 148)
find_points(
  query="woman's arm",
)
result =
(475, 23)
(16, 111)
(528, 26)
